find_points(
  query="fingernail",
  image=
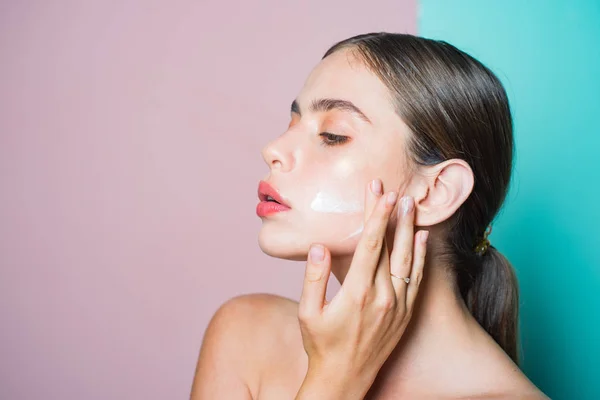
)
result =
(407, 204)
(391, 198)
(424, 236)
(317, 253)
(376, 186)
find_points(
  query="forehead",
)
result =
(342, 75)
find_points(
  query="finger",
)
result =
(416, 274)
(366, 257)
(402, 253)
(316, 277)
(372, 194)
(383, 284)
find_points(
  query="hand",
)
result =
(354, 334)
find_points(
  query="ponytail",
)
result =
(493, 299)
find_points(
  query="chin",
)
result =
(293, 245)
(282, 246)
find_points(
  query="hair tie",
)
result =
(482, 247)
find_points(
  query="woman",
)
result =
(398, 146)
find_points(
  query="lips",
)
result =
(267, 192)
(271, 201)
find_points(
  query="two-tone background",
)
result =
(130, 137)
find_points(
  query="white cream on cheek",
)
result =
(339, 195)
(325, 202)
(328, 203)
(355, 233)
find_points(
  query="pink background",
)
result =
(130, 139)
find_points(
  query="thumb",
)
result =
(315, 281)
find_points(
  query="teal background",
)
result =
(547, 55)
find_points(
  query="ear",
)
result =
(440, 190)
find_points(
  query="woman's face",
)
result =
(323, 162)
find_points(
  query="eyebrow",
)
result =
(324, 105)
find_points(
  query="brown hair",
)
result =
(456, 108)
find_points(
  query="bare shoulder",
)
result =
(480, 369)
(256, 315)
(520, 388)
(534, 394)
(246, 308)
(522, 393)
(259, 320)
(493, 382)
(504, 378)
(268, 322)
(517, 384)
(243, 337)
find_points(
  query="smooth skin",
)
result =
(263, 346)
(268, 347)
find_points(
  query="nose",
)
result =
(276, 156)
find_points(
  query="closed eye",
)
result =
(329, 139)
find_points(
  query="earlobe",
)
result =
(444, 188)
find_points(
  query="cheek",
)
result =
(334, 203)
(338, 231)
(334, 210)
(336, 189)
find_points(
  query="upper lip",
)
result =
(265, 189)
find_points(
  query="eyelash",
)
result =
(329, 139)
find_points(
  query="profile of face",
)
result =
(343, 133)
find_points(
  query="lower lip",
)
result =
(265, 208)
